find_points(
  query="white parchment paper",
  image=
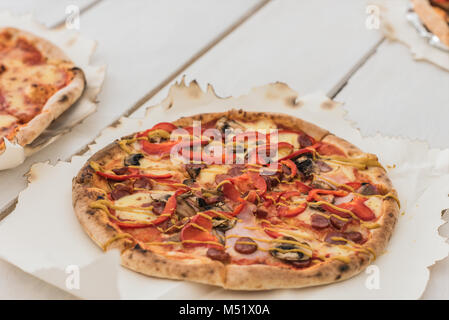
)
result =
(395, 26)
(79, 49)
(43, 237)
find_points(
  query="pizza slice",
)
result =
(38, 83)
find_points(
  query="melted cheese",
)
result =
(132, 205)
(260, 125)
(291, 138)
(207, 175)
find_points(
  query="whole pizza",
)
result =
(37, 84)
(241, 200)
(435, 16)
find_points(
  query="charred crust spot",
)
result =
(64, 98)
(90, 212)
(184, 274)
(343, 268)
(338, 277)
(391, 215)
(110, 227)
(139, 248)
(291, 101)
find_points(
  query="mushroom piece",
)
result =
(289, 252)
(224, 124)
(194, 169)
(220, 235)
(305, 165)
(185, 205)
(223, 224)
(133, 159)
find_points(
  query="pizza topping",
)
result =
(338, 222)
(198, 232)
(120, 191)
(367, 189)
(194, 169)
(289, 250)
(218, 254)
(245, 245)
(133, 159)
(319, 221)
(142, 183)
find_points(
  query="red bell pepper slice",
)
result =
(302, 151)
(166, 126)
(292, 166)
(133, 175)
(165, 148)
(358, 207)
(288, 194)
(291, 212)
(354, 185)
(271, 233)
(314, 194)
(301, 187)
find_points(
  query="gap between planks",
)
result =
(344, 80)
(6, 210)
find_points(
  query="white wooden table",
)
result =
(237, 44)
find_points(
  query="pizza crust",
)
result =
(60, 101)
(432, 20)
(231, 276)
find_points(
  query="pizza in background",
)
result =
(37, 84)
(259, 201)
(435, 16)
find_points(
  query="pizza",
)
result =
(241, 200)
(38, 83)
(435, 16)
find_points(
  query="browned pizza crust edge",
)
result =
(59, 102)
(237, 277)
(432, 20)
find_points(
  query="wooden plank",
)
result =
(296, 42)
(397, 96)
(48, 12)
